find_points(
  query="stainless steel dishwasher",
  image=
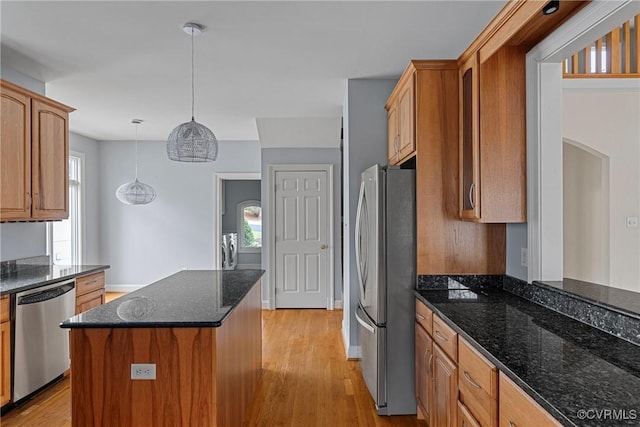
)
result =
(41, 346)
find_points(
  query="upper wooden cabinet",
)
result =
(401, 118)
(493, 185)
(34, 152)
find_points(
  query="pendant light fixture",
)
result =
(191, 141)
(136, 192)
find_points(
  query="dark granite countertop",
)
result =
(41, 275)
(564, 365)
(189, 298)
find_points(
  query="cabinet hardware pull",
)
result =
(29, 200)
(430, 369)
(464, 424)
(420, 316)
(473, 205)
(512, 424)
(468, 378)
(441, 336)
(396, 147)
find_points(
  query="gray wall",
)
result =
(237, 191)
(146, 243)
(516, 240)
(301, 156)
(21, 240)
(365, 143)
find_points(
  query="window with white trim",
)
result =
(249, 226)
(64, 238)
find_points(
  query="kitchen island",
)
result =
(198, 332)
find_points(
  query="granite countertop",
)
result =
(563, 364)
(189, 298)
(41, 275)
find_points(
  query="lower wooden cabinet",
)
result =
(445, 374)
(424, 378)
(90, 291)
(520, 410)
(465, 419)
(478, 385)
(5, 352)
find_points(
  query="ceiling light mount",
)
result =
(551, 7)
(192, 29)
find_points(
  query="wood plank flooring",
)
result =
(306, 381)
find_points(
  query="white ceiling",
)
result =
(118, 60)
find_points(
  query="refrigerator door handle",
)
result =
(364, 324)
(357, 242)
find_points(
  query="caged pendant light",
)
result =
(136, 192)
(192, 141)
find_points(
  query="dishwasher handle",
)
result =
(49, 294)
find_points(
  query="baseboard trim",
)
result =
(265, 304)
(352, 352)
(123, 288)
(337, 305)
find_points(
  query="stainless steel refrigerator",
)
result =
(385, 247)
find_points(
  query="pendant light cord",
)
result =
(136, 151)
(193, 91)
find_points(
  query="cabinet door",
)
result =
(15, 156)
(424, 372)
(50, 152)
(407, 140)
(393, 134)
(5, 363)
(469, 140)
(518, 409)
(88, 301)
(446, 389)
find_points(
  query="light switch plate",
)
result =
(632, 222)
(524, 257)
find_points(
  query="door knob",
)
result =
(323, 246)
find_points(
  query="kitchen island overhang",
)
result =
(202, 330)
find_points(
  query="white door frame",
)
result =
(328, 168)
(544, 129)
(217, 209)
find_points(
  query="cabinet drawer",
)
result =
(478, 384)
(89, 283)
(465, 419)
(424, 316)
(4, 309)
(445, 337)
(88, 301)
(517, 408)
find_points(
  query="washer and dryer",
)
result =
(229, 251)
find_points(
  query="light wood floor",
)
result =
(306, 381)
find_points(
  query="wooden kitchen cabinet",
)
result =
(5, 352)
(477, 385)
(445, 374)
(34, 152)
(493, 186)
(90, 291)
(518, 409)
(424, 379)
(401, 118)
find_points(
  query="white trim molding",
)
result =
(353, 351)
(544, 128)
(218, 207)
(328, 168)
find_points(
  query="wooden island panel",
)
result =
(204, 376)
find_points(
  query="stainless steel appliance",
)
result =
(385, 248)
(41, 346)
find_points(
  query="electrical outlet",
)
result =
(524, 257)
(143, 371)
(632, 222)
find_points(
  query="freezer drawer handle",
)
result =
(470, 380)
(364, 324)
(441, 336)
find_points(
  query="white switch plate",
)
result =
(632, 222)
(524, 257)
(143, 371)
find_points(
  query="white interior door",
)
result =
(302, 236)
